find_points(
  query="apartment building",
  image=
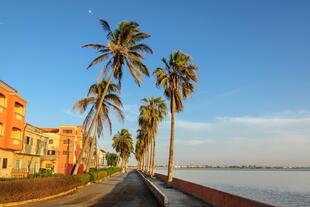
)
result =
(28, 160)
(12, 123)
(64, 147)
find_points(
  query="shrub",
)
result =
(83, 178)
(25, 189)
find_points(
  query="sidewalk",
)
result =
(177, 198)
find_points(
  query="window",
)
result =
(50, 141)
(28, 140)
(17, 164)
(66, 141)
(67, 131)
(36, 167)
(49, 165)
(1, 129)
(51, 152)
(2, 101)
(16, 133)
(18, 108)
(4, 163)
(65, 152)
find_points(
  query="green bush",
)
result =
(31, 188)
(83, 178)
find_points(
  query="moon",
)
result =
(90, 11)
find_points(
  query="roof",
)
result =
(7, 86)
(50, 130)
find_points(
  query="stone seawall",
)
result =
(212, 196)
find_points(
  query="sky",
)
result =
(252, 101)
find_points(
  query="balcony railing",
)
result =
(19, 116)
(49, 157)
(2, 108)
(16, 141)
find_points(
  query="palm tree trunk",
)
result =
(153, 164)
(90, 152)
(89, 157)
(171, 149)
(78, 163)
(150, 158)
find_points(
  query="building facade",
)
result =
(28, 160)
(64, 147)
(24, 148)
(12, 123)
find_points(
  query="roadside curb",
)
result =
(158, 194)
(59, 194)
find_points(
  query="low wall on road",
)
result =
(160, 197)
(212, 196)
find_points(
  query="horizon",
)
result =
(251, 105)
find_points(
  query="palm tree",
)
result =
(122, 143)
(123, 47)
(177, 78)
(152, 112)
(139, 150)
(112, 159)
(112, 101)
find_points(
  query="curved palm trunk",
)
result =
(90, 152)
(89, 157)
(171, 149)
(78, 163)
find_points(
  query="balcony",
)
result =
(2, 108)
(19, 111)
(49, 157)
(16, 136)
(19, 116)
(2, 103)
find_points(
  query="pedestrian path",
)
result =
(177, 198)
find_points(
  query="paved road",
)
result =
(124, 190)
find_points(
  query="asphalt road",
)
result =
(124, 190)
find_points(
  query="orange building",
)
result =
(12, 122)
(69, 144)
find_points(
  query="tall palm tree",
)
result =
(122, 143)
(177, 78)
(112, 101)
(152, 112)
(123, 48)
(141, 148)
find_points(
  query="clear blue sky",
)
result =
(253, 59)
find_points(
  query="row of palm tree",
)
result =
(152, 112)
(125, 48)
(123, 144)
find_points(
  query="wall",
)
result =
(212, 196)
(10, 156)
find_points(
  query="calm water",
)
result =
(277, 187)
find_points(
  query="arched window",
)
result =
(16, 134)
(2, 102)
(1, 129)
(19, 110)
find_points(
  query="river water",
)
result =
(288, 188)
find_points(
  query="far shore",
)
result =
(237, 167)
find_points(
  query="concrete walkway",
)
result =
(177, 198)
(118, 191)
